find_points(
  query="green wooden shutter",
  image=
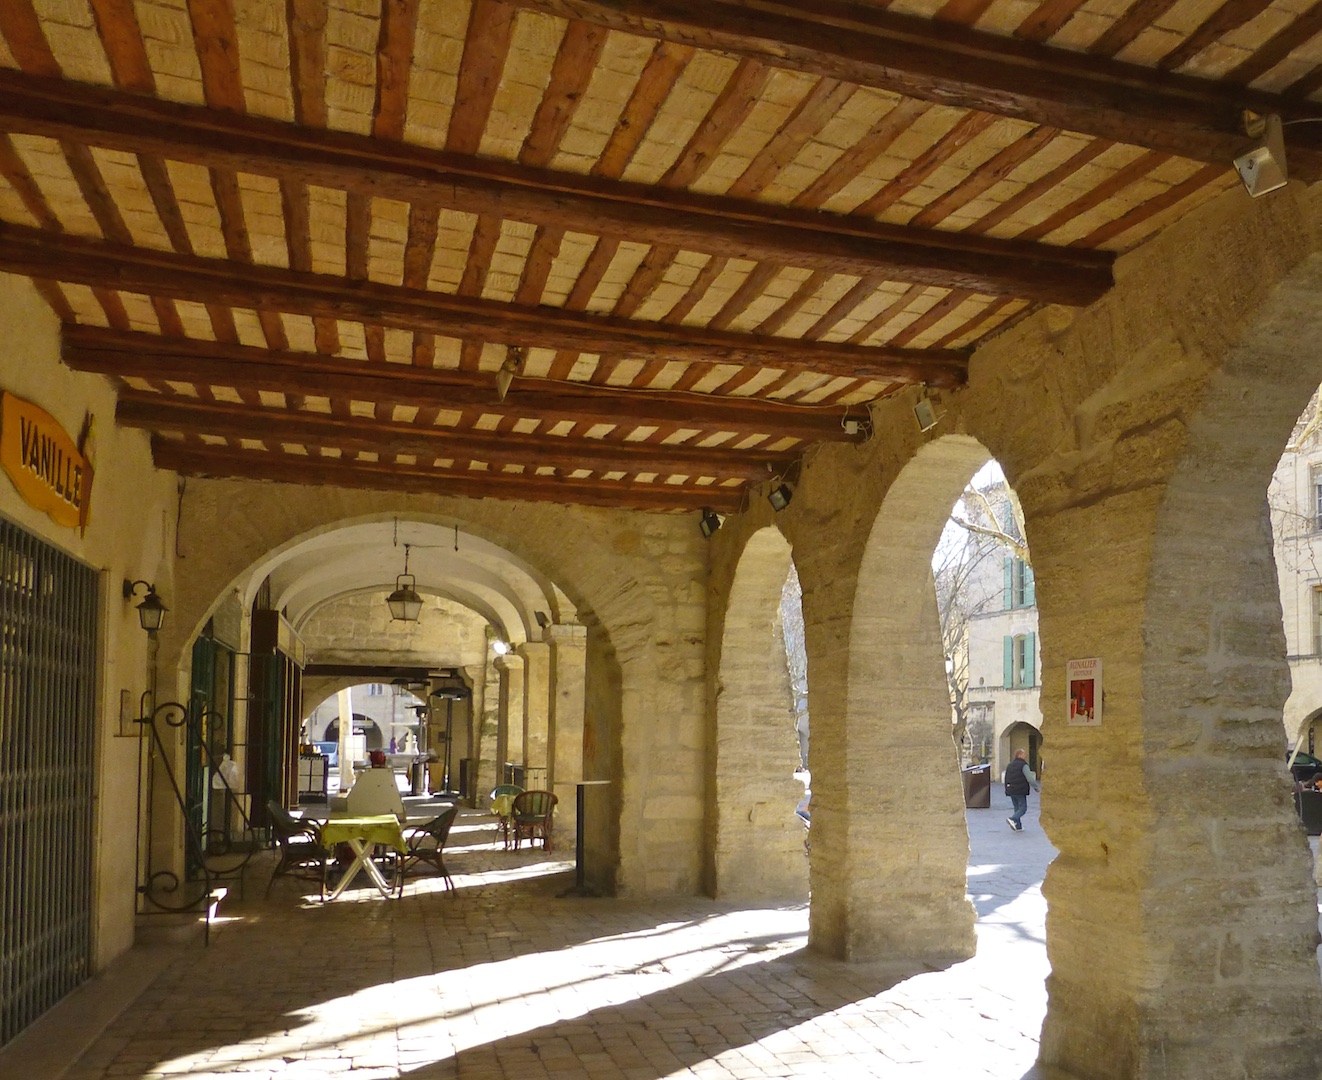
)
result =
(1030, 589)
(1009, 585)
(1030, 659)
(1008, 680)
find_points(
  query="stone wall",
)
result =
(130, 535)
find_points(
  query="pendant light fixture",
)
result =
(404, 602)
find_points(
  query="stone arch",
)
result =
(630, 577)
(891, 880)
(757, 851)
(1024, 736)
(1225, 920)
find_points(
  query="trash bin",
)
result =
(977, 786)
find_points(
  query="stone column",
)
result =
(569, 645)
(536, 707)
(509, 739)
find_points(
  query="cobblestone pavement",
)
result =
(504, 980)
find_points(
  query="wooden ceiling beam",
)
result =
(306, 470)
(954, 65)
(272, 289)
(722, 227)
(156, 412)
(209, 363)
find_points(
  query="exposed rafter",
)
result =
(152, 412)
(665, 216)
(305, 469)
(264, 288)
(208, 363)
(954, 65)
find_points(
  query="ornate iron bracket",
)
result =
(212, 853)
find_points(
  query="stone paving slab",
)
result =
(504, 981)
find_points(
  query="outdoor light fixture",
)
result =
(779, 496)
(500, 648)
(151, 611)
(925, 414)
(1262, 168)
(709, 523)
(510, 366)
(404, 602)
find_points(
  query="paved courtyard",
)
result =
(504, 980)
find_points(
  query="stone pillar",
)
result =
(509, 740)
(569, 646)
(536, 708)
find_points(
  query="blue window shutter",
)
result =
(1030, 589)
(1009, 585)
(1008, 680)
(1030, 659)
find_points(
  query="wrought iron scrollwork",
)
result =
(212, 854)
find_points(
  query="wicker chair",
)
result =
(426, 844)
(531, 817)
(301, 849)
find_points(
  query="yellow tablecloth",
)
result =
(502, 805)
(377, 829)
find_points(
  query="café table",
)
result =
(362, 834)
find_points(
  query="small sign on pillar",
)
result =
(1084, 680)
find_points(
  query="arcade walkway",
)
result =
(503, 981)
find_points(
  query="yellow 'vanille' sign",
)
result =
(43, 462)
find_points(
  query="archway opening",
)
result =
(758, 849)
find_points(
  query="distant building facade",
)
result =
(1004, 663)
(1295, 500)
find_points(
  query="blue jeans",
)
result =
(1020, 804)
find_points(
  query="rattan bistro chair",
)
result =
(301, 849)
(531, 817)
(426, 844)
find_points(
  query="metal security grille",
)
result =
(47, 700)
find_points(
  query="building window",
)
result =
(375, 689)
(1020, 661)
(1019, 587)
(1317, 620)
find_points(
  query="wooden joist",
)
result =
(352, 435)
(271, 289)
(311, 470)
(128, 354)
(721, 227)
(949, 64)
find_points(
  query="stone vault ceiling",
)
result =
(367, 557)
(303, 237)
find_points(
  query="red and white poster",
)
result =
(1084, 681)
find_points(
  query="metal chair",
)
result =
(502, 802)
(426, 844)
(530, 817)
(300, 847)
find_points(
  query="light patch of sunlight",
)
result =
(487, 1003)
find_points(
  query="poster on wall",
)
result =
(1084, 681)
(47, 467)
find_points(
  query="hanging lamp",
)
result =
(404, 602)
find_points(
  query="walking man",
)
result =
(1018, 779)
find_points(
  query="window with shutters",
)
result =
(1020, 590)
(1020, 661)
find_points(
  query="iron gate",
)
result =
(47, 725)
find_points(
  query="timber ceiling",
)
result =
(303, 236)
